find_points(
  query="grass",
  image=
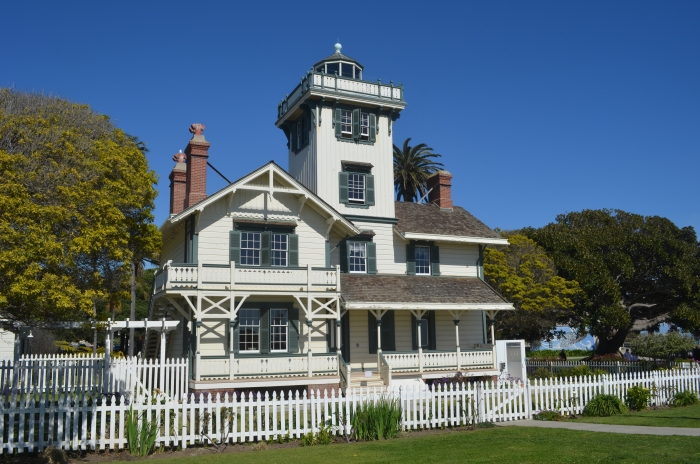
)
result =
(688, 416)
(494, 445)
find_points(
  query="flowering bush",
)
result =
(638, 397)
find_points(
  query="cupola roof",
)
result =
(339, 56)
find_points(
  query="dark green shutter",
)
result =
(293, 344)
(343, 186)
(372, 127)
(369, 189)
(414, 332)
(356, 124)
(411, 259)
(432, 343)
(330, 328)
(344, 256)
(305, 129)
(293, 137)
(236, 334)
(434, 260)
(264, 330)
(388, 332)
(371, 258)
(195, 248)
(338, 126)
(372, 332)
(293, 250)
(235, 247)
(265, 249)
(345, 334)
(328, 253)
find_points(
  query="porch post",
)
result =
(161, 383)
(456, 321)
(492, 323)
(309, 353)
(379, 342)
(198, 356)
(420, 345)
(338, 340)
(231, 358)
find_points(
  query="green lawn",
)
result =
(495, 445)
(671, 417)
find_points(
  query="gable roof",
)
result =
(296, 188)
(362, 291)
(425, 221)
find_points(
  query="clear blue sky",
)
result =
(538, 108)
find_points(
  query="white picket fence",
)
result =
(611, 367)
(82, 421)
(61, 374)
(569, 395)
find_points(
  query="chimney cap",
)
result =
(179, 157)
(441, 172)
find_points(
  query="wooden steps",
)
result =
(359, 379)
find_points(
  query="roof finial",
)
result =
(338, 47)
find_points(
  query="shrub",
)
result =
(638, 397)
(547, 415)
(685, 398)
(376, 420)
(605, 405)
(541, 373)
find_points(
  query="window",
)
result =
(356, 188)
(364, 126)
(346, 124)
(249, 337)
(357, 257)
(250, 248)
(278, 330)
(424, 342)
(422, 260)
(279, 250)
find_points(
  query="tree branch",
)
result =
(644, 324)
(640, 305)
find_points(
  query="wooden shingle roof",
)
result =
(363, 288)
(430, 219)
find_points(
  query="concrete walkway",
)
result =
(629, 429)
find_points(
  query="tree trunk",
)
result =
(132, 315)
(613, 344)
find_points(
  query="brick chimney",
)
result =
(197, 152)
(178, 184)
(440, 185)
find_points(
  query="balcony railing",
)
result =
(231, 277)
(356, 87)
(292, 365)
(438, 360)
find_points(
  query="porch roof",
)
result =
(361, 291)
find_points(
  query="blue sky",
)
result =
(538, 108)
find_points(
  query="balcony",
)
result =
(325, 83)
(229, 277)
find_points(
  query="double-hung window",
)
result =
(279, 330)
(422, 260)
(249, 331)
(356, 188)
(346, 123)
(280, 250)
(250, 248)
(364, 126)
(357, 256)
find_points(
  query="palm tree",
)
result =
(412, 167)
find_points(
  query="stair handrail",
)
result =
(344, 370)
(384, 369)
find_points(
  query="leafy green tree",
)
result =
(636, 272)
(412, 167)
(524, 274)
(659, 346)
(76, 201)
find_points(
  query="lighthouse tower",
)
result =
(339, 132)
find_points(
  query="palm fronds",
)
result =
(412, 167)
